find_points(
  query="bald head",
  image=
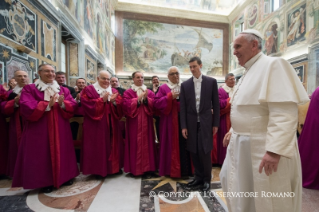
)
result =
(21, 77)
(103, 78)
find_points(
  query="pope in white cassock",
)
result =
(262, 154)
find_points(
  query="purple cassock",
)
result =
(140, 149)
(174, 159)
(4, 135)
(223, 126)
(15, 130)
(102, 137)
(308, 145)
(46, 154)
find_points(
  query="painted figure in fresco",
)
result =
(271, 39)
(90, 70)
(297, 26)
(89, 17)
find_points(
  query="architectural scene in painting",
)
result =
(92, 137)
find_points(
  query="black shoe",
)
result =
(99, 177)
(48, 189)
(194, 185)
(131, 175)
(119, 173)
(149, 175)
(68, 183)
(206, 187)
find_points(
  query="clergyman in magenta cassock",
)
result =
(308, 145)
(46, 155)
(11, 109)
(101, 135)
(174, 159)
(4, 135)
(140, 149)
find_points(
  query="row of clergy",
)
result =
(39, 152)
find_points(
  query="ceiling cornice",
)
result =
(169, 12)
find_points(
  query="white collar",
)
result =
(136, 88)
(251, 62)
(100, 90)
(200, 78)
(172, 85)
(227, 88)
(42, 86)
(17, 89)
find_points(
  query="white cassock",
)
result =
(264, 116)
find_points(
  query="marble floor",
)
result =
(125, 194)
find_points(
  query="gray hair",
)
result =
(229, 75)
(172, 68)
(115, 77)
(40, 66)
(251, 37)
(14, 73)
(103, 71)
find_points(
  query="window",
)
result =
(63, 56)
(275, 4)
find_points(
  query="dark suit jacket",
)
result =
(151, 88)
(72, 90)
(188, 115)
(120, 90)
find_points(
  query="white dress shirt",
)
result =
(197, 86)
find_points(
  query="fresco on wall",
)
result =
(89, 17)
(252, 17)
(154, 47)
(90, 74)
(296, 25)
(271, 39)
(18, 23)
(48, 41)
(76, 9)
(105, 5)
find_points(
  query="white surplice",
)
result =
(264, 117)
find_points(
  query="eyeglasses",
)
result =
(174, 73)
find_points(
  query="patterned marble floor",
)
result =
(123, 193)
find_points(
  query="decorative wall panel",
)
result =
(48, 41)
(74, 62)
(18, 23)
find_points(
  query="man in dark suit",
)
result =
(198, 100)
(60, 78)
(155, 84)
